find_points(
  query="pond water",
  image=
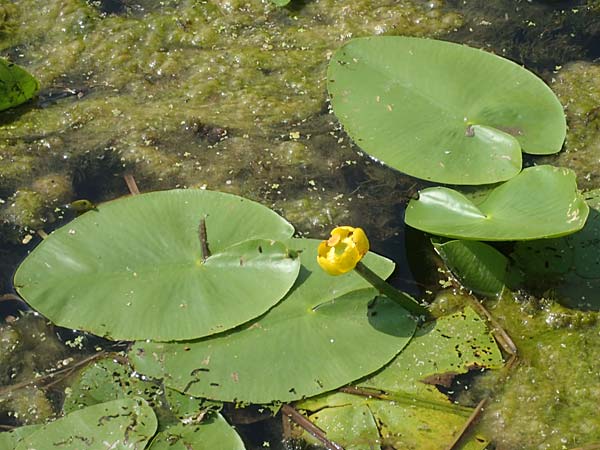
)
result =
(230, 95)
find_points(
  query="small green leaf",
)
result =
(280, 2)
(133, 268)
(478, 267)
(126, 424)
(16, 85)
(326, 333)
(540, 202)
(442, 111)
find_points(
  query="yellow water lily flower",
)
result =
(343, 250)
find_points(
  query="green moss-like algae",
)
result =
(134, 81)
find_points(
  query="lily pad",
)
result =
(107, 380)
(441, 111)
(16, 85)
(326, 333)
(133, 268)
(569, 265)
(119, 424)
(210, 434)
(12, 438)
(540, 202)
(479, 267)
(411, 412)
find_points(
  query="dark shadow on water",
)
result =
(384, 316)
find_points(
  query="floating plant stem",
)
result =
(391, 292)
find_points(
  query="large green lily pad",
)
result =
(326, 333)
(133, 268)
(540, 202)
(125, 424)
(412, 413)
(441, 111)
(16, 85)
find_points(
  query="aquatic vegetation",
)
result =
(140, 268)
(440, 111)
(543, 197)
(16, 85)
(169, 115)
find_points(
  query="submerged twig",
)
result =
(310, 427)
(203, 239)
(42, 234)
(47, 380)
(131, 184)
(470, 421)
(501, 336)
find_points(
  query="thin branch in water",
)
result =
(470, 421)
(203, 239)
(131, 184)
(49, 378)
(42, 234)
(363, 392)
(310, 427)
(501, 336)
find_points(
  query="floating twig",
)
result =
(501, 336)
(310, 427)
(470, 421)
(131, 184)
(203, 239)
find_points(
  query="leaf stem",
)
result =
(203, 239)
(310, 427)
(402, 299)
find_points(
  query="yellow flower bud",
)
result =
(343, 250)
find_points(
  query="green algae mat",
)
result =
(134, 268)
(441, 111)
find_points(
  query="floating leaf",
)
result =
(326, 333)
(133, 269)
(280, 2)
(12, 438)
(126, 424)
(540, 202)
(106, 380)
(213, 433)
(441, 111)
(16, 85)
(570, 265)
(412, 413)
(478, 267)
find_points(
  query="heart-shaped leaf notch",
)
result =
(441, 111)
(134, 268)
(540, 202)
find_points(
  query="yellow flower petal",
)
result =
(343, 250)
